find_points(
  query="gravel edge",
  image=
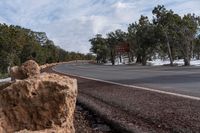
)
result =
(108, 114)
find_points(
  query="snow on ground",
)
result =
(5, 80)
(159, 62)
(195, 62)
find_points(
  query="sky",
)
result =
(71, 23)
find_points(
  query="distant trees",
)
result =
(104, 48)
(167, 28)
(196, 52)
(146, 41)
(168, 35)
(187, 32)
(133, 43)
(114, 39)
(100, 48)
(18, 44)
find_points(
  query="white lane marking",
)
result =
(133, 86)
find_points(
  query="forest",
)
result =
(19, 44)
(166, 36)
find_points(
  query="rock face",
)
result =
(43, 103)
(28, 69)
(16, 73)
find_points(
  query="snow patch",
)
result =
(5, 80)
(159, 62)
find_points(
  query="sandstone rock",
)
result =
(16, 73)
(43, 103)
(30, 68)
(4, 85)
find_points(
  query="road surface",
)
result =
(181, 80)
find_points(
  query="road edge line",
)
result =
(132, 86)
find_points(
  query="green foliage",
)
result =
(18, 44)
(99, 46)
(196, 52)
(179, 32)
(114, 39)
(4, 75)
(146, 41)
(132, 41)
(168, 35)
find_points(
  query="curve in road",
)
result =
(181, 81)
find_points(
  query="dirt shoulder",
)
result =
(86, 121)
(140, 110)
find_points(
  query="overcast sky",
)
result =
(71, 23)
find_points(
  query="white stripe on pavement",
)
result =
(133, 86)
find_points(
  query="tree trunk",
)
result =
(187, 61)
(129, 57)
(120, 58)
(169, 51)
(112, 58)
(132, 57)
(198, 55)
(112, 61)
(139, 60)
(144, 61)
(187, 57)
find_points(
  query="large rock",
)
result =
(30, 68)
(43, 103)
(16, 73)
(27, 69)
(4, 85)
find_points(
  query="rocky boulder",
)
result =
(30, 68)
(43, 103)
(16, 73)
(27, 69)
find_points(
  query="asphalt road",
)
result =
(181, 80)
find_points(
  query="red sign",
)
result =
(122, 48)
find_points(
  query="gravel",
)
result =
(147, 111)
(87, 122)
(141, 110)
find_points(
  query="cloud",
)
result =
(121, 5)
(71, 23)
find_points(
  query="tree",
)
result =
(187, 31)
(169, 35)
(113, 39)
(167, 22)
(133, 44)
(51, 52)
(197, 47)
(100, 48)
(18, 44)
(146, 41)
